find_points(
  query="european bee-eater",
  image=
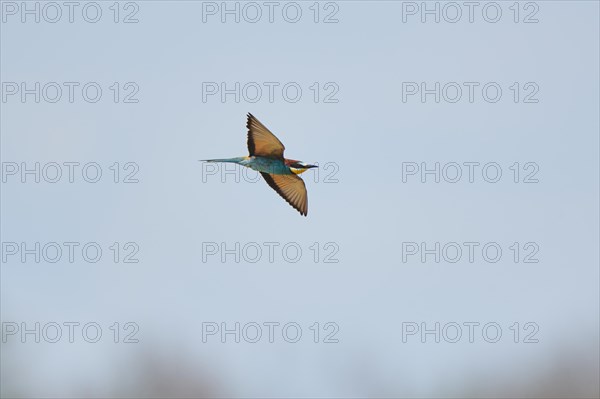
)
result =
(266, 157)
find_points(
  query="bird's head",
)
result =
(298, 167)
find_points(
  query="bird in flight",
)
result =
(266, 157)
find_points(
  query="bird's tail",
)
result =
(230, 160)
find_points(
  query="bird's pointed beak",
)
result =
(311, 166)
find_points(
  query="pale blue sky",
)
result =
(369, 213)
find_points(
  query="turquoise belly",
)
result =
(267, 165)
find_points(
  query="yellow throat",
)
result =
(297, 171)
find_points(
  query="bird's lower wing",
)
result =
(291, 188)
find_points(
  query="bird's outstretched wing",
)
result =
(291, 188)
(261, 141)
